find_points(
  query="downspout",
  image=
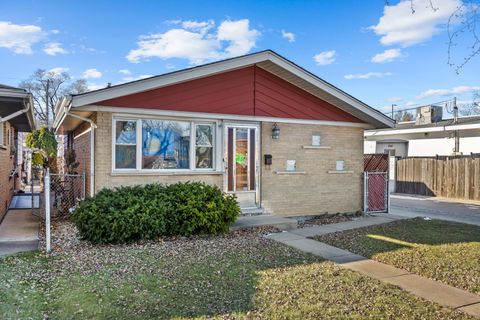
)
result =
(15, 114)
(92, 148)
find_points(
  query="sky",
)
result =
(381, 54)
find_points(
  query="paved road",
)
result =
(412, 206)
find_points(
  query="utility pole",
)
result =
(47, 99)
(393, 105)
(456, 149)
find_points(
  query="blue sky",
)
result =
(381, 55)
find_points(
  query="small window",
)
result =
(204, 146)
(125, 144)
(340, 165)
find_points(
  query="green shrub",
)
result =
(153, 210)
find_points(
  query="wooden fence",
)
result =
(450, 178)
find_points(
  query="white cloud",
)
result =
(58, 70)
(197, 41)
(19, 38)
(395, 99)
(448, 92)
(290, 36)
(388, 55)
(367, 75)
(399, 26)
(325, 57)
(125, 72)
(54, 48)
(92, 74)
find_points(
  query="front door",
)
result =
(241, 157)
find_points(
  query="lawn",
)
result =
(241, 275)
(445, 251)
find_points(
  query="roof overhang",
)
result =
(16, 105)
(268, 60)
(465, 130)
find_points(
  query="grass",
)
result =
(242, 276)
(440, 250)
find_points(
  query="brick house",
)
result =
(16, 115)
(283, 140)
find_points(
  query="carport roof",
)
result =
(15, 99)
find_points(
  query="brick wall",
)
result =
(104, 178)
(81, 145)
(316, 191)
(7, 163)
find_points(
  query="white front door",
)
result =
(242, 162)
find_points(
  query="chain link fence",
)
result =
(66, 191)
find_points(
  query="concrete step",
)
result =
(245, 222)
(252, 211)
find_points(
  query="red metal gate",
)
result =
(376, 194)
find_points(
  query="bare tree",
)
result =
(462, 29)
(472, 108)
(47, 87)
(403, 116)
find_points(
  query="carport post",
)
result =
(47, 209)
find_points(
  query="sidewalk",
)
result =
(420, 286)
(18, 232)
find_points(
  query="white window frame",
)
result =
(2, 137)
(192, 148)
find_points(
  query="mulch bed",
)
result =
(323, 219)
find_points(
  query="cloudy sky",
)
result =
(380, 54)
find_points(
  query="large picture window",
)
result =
(165, 144)
(150, 144)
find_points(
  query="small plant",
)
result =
(153, 210)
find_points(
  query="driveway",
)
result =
(414, 206)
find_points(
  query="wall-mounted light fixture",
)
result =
(275, 131)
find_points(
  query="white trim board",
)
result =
(141, 112)
(224, 66)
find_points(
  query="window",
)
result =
(149, 144)
(125, 144)
(204, 146)
(165, 144)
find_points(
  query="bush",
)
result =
(153, 210)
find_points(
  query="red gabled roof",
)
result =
(249, 91)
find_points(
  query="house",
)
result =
(259, 126)
(427, 136)
(16, 116)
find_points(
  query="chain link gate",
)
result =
(66, 190)
(375, 183)
(376, 198)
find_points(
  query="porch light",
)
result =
(275, 131)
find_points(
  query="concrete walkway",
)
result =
(18, 232)
(420, 286)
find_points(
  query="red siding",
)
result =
(246, 91)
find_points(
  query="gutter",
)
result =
(92, 148)
(16, 114)
(63, 110)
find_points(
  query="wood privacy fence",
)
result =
(450, 178)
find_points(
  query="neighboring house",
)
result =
(16, 115)
(427, 138)
(258, 126)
